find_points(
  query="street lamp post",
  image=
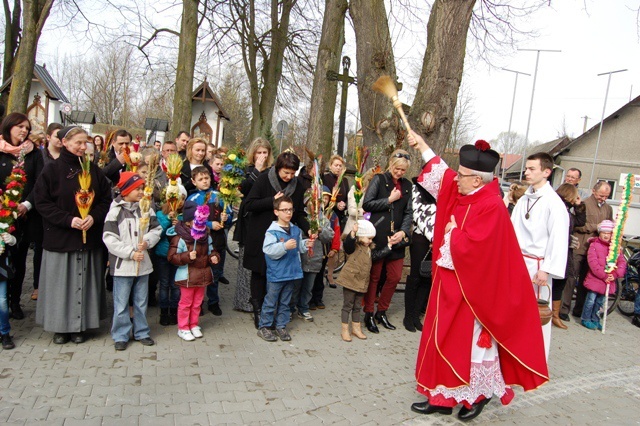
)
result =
(606, 95)
(533, 90)
(513, 102)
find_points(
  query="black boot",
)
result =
(173, 316)
(636, 320)
(370, 323)
(381, 317)
(257, 309)
(16, 311)
(410, 293)
(422, 297)
(164, 316)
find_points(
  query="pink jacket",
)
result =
(597, 257)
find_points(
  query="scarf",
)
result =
(275, 183)
(15, 150)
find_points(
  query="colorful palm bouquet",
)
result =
(361, 155)
(84, 195)
(231, 177)
(145, 202)
(10, 199)
(616, 238)
(315, 206)
(334, 194)
(172, 191)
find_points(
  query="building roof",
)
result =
(553, 148)
(509, 160)
(156, 124)
(204, 93)
(634, 103)
(84, 117)
(41, 74)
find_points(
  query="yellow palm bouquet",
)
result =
(84, 195)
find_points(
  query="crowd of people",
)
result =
(458, 230)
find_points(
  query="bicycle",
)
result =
(628, 285)
(232, 246)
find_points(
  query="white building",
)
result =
(207, 115)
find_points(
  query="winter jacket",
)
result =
(259, 203)
(185, 176)
(55, 200)
(313, 264)
(190, 273)
(244, 217)
(595, 215)
(120, 235)
(283, 264)
(597, 258)
(382, 213)
(218, 237)
(355, 273)
(162, 248)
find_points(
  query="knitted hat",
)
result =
(326, 191)
(366, 229)
(128, 182)
(606, 226)
(479, 157)
(189, 211)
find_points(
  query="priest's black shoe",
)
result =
(465, 414)
(426, 408)
(370, 323)
(381, 317)
(565, 317)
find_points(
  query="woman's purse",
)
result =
(543, 309)
(426, 265)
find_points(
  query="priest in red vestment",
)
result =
(481, 333)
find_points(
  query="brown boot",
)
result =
(356, 330)
(556, 315)
(346, 336)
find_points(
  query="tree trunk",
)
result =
(442, 69)
(35, 14)
(186, 66)
(272, 67)
(11, 36)
(374, 56)
(324, 92)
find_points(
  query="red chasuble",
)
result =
(490, 283)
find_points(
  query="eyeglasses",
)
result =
(460, 175)
(286, 210)
(401, 155)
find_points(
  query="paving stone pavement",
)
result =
(231, 376)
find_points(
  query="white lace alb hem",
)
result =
(433, 179)
(445, 260)
(486, 380)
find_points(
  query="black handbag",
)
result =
(426, 265)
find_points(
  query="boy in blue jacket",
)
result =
(282, 246)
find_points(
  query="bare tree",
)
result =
(34, 16)
(509, 143)
(233, 93)
(323, 95)
(11, 35)
(374, 55)
(464, 119)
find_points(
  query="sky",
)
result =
(594, 37)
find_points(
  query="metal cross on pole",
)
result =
(346, 80)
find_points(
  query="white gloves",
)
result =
(8, 238)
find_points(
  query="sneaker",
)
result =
(599, 325)
(265, 334)
(196, 331)
(147, 341)
(7, 342)
(186, 335)
(305, 316)
(120, 346)
(214, 308)
(283, 334)
(589, 324)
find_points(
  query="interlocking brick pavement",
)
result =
(231, 376)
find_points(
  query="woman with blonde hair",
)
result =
(195, 156)
(260, 159)
(388, 199)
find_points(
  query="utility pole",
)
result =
(533, 90)
(606, 95)
(513, 102)
(584, 127)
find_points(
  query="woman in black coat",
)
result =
(196, 152)
(15, 129)
(388, 199)
(260, 159)
(279, 180)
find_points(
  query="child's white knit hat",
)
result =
(366, 229)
